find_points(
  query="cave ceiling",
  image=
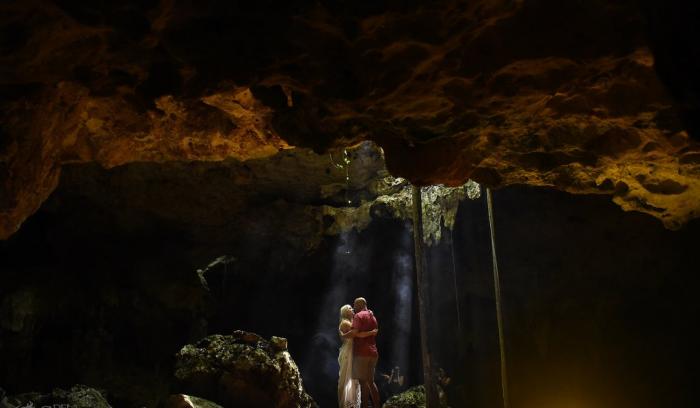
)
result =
(582, 96)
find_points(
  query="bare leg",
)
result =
(374, 393)
(365, 391)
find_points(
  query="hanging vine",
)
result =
(345, 165)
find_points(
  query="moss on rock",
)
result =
(394, 200)
(79, 396)
(241, 369)
(414, 397)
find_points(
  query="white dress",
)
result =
(348, 388)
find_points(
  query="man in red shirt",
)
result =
(365, 352)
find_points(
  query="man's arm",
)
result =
(367, 333)
(357, 323)
(355, 331)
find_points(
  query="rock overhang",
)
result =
(545, 93)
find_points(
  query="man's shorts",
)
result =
(363, 367)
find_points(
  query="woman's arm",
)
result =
(345, 330)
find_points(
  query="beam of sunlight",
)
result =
(402, 279)
(325, 342)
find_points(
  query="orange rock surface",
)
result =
(547, 93)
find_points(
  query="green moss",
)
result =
(79, 396)
(414, 397)
(411, 398)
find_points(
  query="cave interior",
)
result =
(190, 191)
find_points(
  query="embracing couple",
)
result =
(358, 356)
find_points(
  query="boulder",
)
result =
(241, 369)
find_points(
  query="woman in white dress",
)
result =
(348, 388)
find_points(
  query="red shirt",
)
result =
(367, 346)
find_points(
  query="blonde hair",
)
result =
(343, 311)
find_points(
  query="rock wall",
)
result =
(597, 304)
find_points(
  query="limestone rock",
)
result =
(278, 343)
(241, 369)
(234, 199)
(79, 396)
(188, 401)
